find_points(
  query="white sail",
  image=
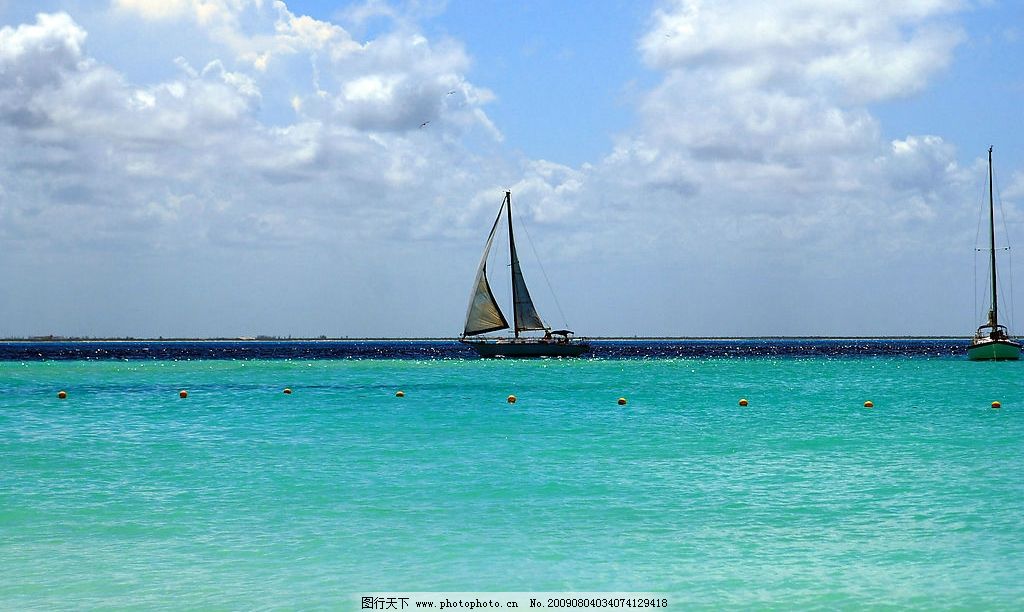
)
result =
(483, 314)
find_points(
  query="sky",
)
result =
(223, 168)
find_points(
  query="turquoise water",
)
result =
(238, 497)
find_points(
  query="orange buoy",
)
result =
(743, 401)
(511, 399)
(400, 394)
(183, 394)
(287, 391)
(996, 405)
(62, 394)
(622, 401)
(869, 404)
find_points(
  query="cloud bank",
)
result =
(366, 171)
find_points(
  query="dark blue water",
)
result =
(450, 349)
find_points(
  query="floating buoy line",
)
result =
(511, 399)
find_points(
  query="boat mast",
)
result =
(993, 314)
(513, 260)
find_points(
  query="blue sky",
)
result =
(976, 102)
(244, 167)
(564, 72)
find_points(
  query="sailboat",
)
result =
(992, 340)
(484, 315)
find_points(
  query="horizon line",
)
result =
(56, 338)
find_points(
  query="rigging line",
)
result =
(1006, 238)
(981, 314)
(981, 213)
(1009, 262)
(551, 289)
(977, 235)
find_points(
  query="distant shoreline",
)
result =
(258, 339)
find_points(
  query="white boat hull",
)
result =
(993, 350)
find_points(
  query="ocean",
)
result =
(240, 496)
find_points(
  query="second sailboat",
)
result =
(992, 340)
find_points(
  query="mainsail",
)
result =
(483, 314)
(525, 312)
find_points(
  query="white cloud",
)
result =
(1015, 189)
(100, 156)
(156, 9)
(203, 11)
(36, 55)
(754, 156)
(869, 50)
(760, 112)
(757, 156)
(779, 84)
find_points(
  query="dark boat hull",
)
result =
(527, 349)
(994, 350)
